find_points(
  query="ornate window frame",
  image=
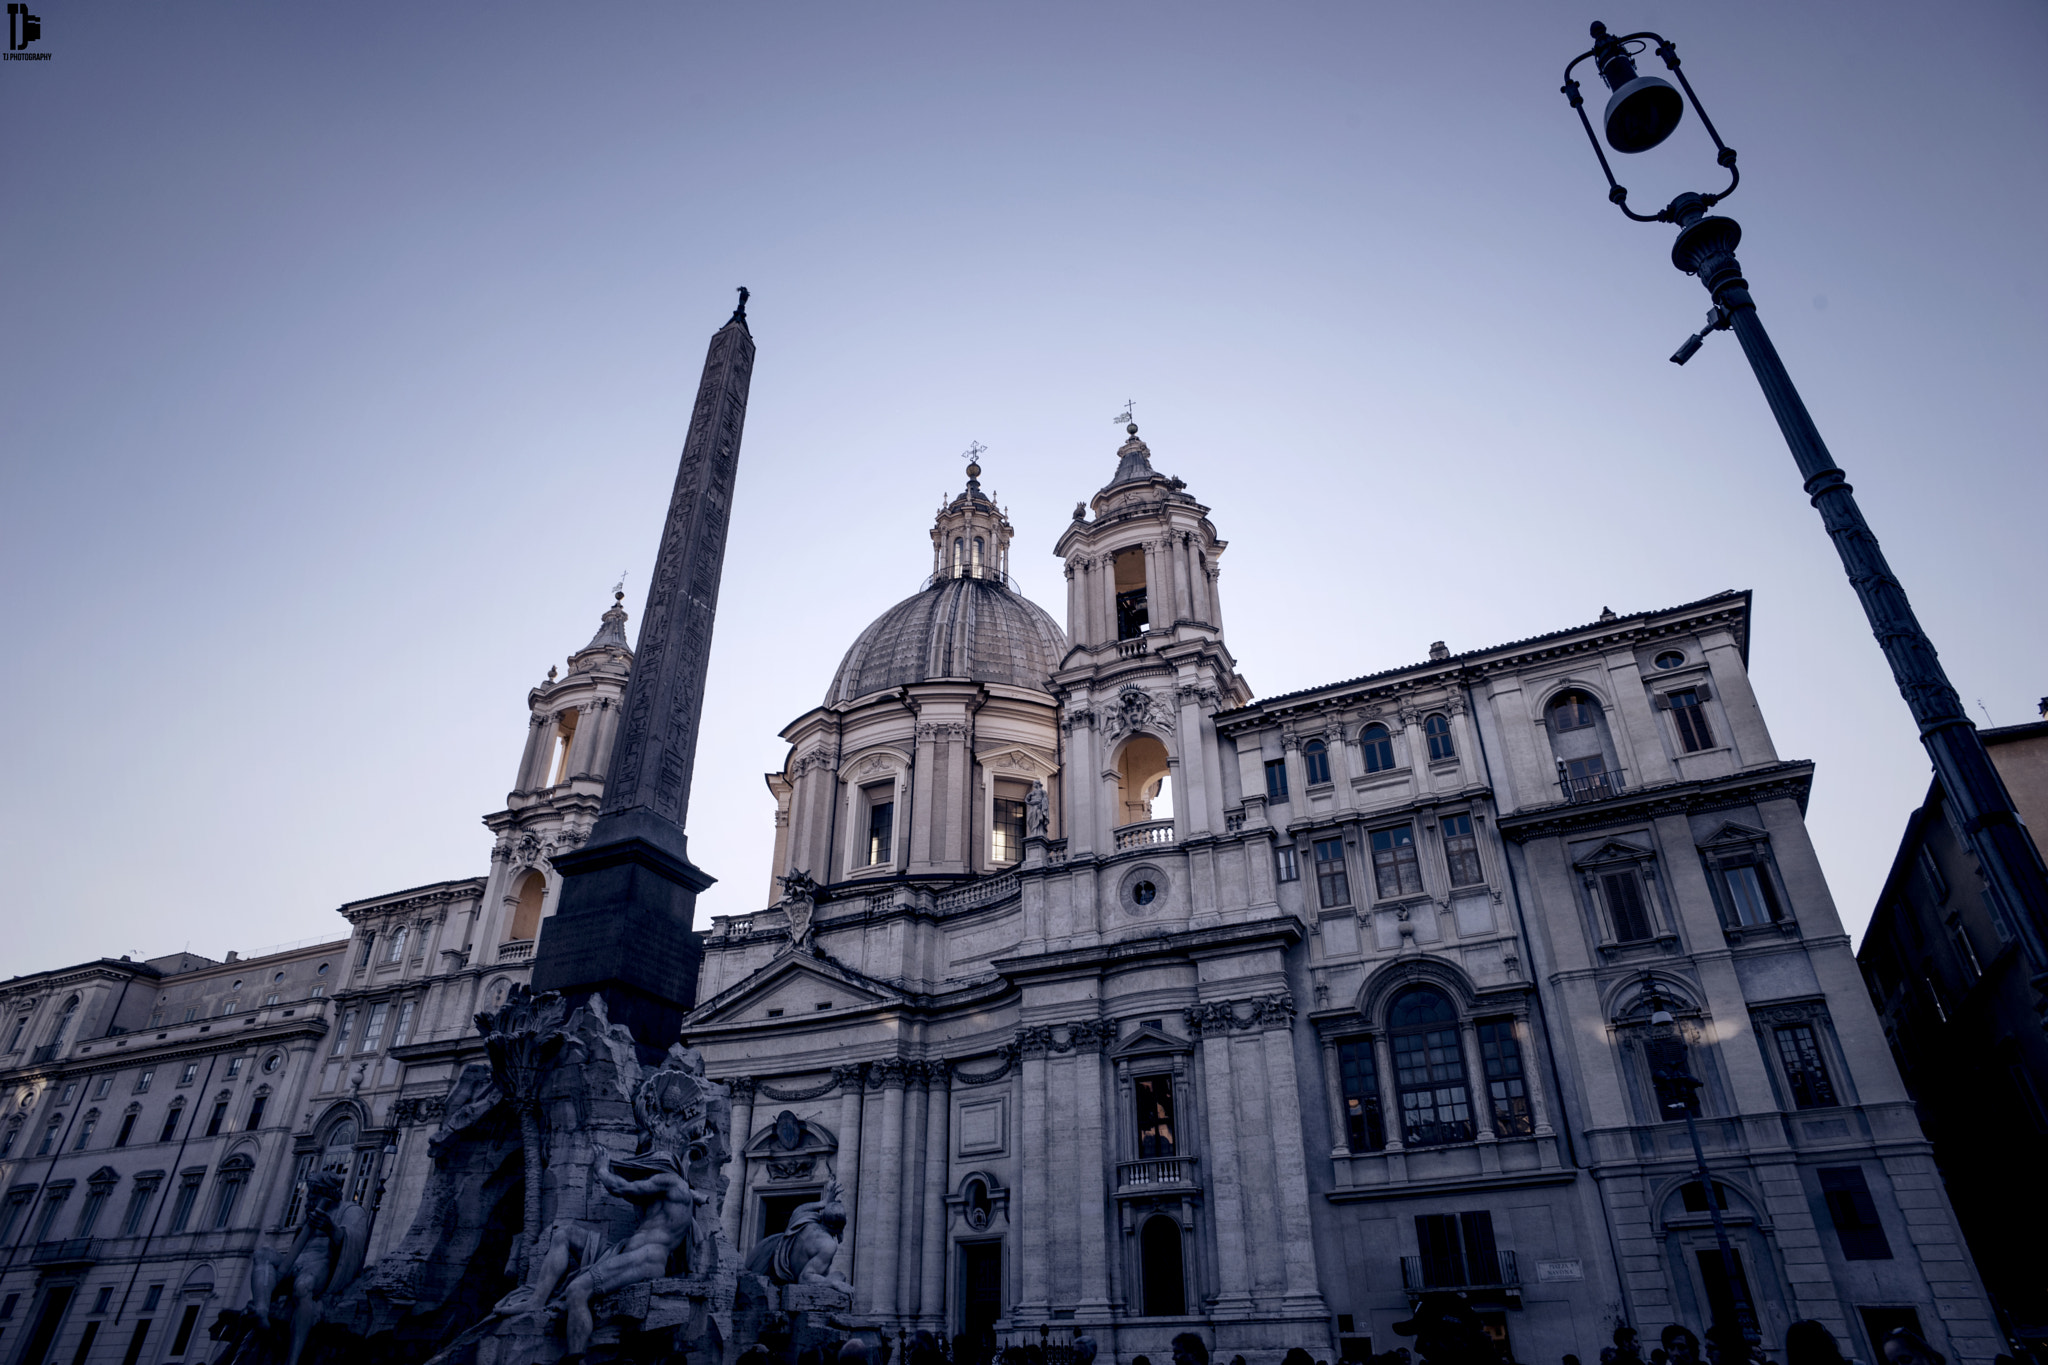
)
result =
(1628, 1031)
(1618, 857)
(864, 772)
(1735, 846)
(1766, 1020)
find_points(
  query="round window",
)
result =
(1144, 893)
(273, 1061)
(237, 986)
(278, 977)
(322, 971)
(1670, 658)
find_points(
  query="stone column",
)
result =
(910, 1235)
(583, 744)
(886, 1202)
(734, 1213)
(1034, 1184)
(1390, 1097)
(534, 725)
(931, 1299)
(1226, 1182)
(1290, 1167)
(1095, 1166)
(1475, 1080)
(849, 1078)
(1532, 1078)
(1074, 621)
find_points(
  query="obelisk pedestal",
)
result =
(622, 926)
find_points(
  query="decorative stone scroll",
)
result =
(1260, 1012)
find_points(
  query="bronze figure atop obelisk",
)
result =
(622, 926)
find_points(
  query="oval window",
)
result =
(273, 1061)
(322, 971)
(1144, 893)
(1670, 658)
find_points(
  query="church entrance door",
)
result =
(981, 1290)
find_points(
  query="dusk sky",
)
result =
(348, 351)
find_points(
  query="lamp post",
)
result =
(1675, 1086)
(1642, 112)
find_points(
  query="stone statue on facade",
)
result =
(803, 1253)
(1037, 810)
(656, 1184)
(289, 1291)
(799, 899)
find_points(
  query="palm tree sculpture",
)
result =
(524, 1038)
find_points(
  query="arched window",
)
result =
(398, 937)
(1315, 757)
(1379, 748)
(565, 739)
(339, 1149)
(525, 924)
(1438, 728)
(978, 1205)
(1573, 711)
(1165, 1280)
(234, 1174)
(62, 1027)
(1429, 1069)
(959, 556)
(50, 1136)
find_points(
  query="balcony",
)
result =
(76, 1251)
(1133, 648)
(987, 891)
(1144, 835)
(516, 950)
(1158, 1175)
(1590, 787)
(1422, 1274)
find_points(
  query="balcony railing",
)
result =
(1591, 787)
(987, 891)
(76, 1251)
(1497, 1271)
(515, 950)
(1233, 821)
(1132, 648)
(1168, 1170)
(1144, 835)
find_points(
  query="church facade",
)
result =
(1117, 1001)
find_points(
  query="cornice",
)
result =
(1284, 930)
(115, 1058)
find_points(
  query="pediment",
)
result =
(797, 984)
(1613, 851)
(1732, 833)
(1018, 760)
(1146, 1039)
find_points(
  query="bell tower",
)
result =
(1148, 668)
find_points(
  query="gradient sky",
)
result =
(348, 351)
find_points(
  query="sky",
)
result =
(347, 354)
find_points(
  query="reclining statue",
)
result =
(803, 1253)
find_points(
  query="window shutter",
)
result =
(1663, 702)
(1705, 693)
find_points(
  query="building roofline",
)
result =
(1456, 662)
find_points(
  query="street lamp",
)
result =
(1642, 113)
(1675, 1086)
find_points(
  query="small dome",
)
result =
(973, 628)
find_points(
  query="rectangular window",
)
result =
(53, 1204)
(127, 1130)
(154, 1297)
(1364, 1128)
(84, 1134)
(1805, 1074)
(189, 1074)
(1429, 1073)
(373, 1029)
(403, 1030)
(1394, 868)
(1154, 1098)
(256, 1114)
(1331, 883)
(191, 1013)
(1505, 1084)
(188, 1195)
(220, 1116)
(881, 833)
(134, 1351)
(348, 1024)
(170, 1128)
(1624, 893)
(1691, 717)
(99, 1092)
(234, 1067)
(1966, 951)
(1283, 865)
(142, 1082)
(1749, 894)
(20, 1027)
(138, 1205)
(1854, 1214)
(185, 1326)
(224, 1202)
(1461, 851)
(1442, 1250)
(89, 1211)
(1930, 871)
(1006, 844)
(103, 1299)
(11, 1214)
(1276, 780)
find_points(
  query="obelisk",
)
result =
(622, 927)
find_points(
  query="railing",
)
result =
(970, 570)
(1169, 1170)
(1145, 835)
(1133, 648)
(1419, 1273)
(515, 950)
(1233, 821)
(77, 1251)
(987, 891)
(1591, 787)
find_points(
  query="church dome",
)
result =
(969, 626)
